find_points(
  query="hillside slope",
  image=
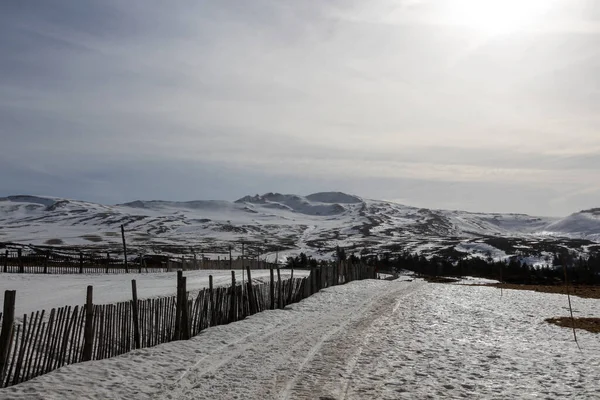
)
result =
(314, 224)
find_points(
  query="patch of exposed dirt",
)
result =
(589, 324)
(440, 279)
(589, 292)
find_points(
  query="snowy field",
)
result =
(38, 292)
(365, 340)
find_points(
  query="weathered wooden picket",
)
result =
(42, 342)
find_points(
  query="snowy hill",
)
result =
(314, 224)
(584, 224)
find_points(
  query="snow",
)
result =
(481, 250)
(296, 223)
(584, 224)
(365, 340)
(37, 291)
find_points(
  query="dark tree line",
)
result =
(513, 270)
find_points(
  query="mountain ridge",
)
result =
(315, 224)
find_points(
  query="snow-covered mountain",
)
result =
(315, 224)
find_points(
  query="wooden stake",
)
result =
(233, 316)
(136, 315)
(5, 269)
(20, 260)
(212, 300)
(272, 289)
(8, 318)
(570, 308)
(88, 333)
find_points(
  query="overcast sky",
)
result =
(483, 105)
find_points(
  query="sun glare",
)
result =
(497, 17)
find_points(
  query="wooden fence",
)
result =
(42, 342)
(48, 262)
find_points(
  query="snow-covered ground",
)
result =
(365, 340)
(37, 291)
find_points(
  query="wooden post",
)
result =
(141, 262)
(291, 286)
(243, 268)
(185, 321)
(80, 262)
(5, 265)
(107, 262)
(251, 299)
(230, 259)
(178, 307)
(233, 316)
(20, 260)
(272, 290)
(124, 248)
(8, 318)
(136, 318)
(211, 298)
(46, 257)
(279, 290)
(88, 333)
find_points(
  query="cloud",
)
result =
(304, 91)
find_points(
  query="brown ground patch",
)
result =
(589, 324)
(589, 292)
(439, 279)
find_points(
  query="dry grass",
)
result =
(589, 324)
(589, 292)
(439, 279)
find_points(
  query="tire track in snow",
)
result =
(335, 349)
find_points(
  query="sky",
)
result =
(480, 105)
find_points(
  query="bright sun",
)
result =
(496, 17)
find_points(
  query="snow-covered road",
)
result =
(364, 340)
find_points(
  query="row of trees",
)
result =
(513, 270)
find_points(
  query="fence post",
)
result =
(211, 299)
(124, 248)
(291, 291)
(107, 262)
(46, 257)
(230, 259)
(136, 318)
(251, 299)
(272, 289)
(279, 290)
(178, 307)
(5, 262)
(141, 262)
(88, 333)
(233, 298)
(8, 318)
(80, 262)
(185, 321)
(20, 259)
